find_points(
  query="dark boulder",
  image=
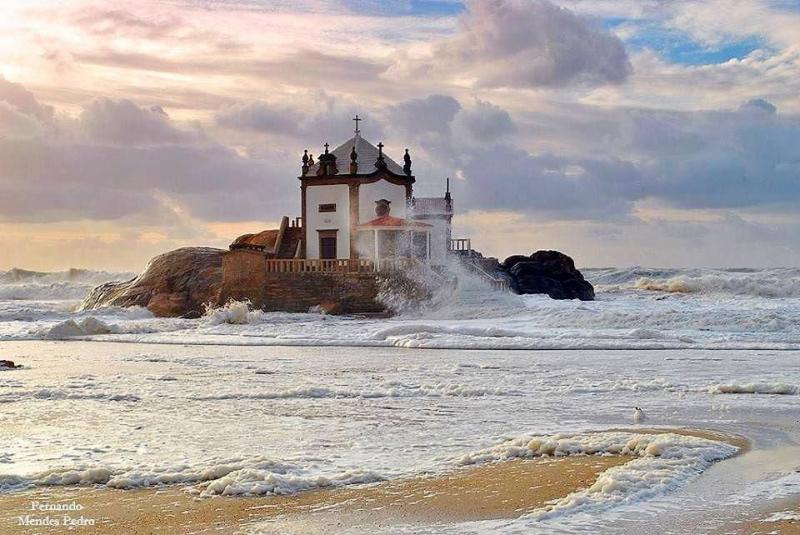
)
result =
(548, 272)
(177, 283)
(511, 261)
(9, 365)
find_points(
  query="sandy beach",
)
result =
(504, 489)
(168, 438)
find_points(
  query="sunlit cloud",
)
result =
(584, 124)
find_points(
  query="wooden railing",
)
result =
(460, 244)
(497, 283)
(346, 265)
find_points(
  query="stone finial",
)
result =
(327, 163)
(382, 207)
(305, 162)
(380, 163)
(407, 163)
(353, 160)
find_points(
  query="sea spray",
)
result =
(232, 312)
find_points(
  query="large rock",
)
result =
(548, 272)
(177, 283)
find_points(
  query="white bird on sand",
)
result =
(638, 415)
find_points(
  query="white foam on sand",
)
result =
(258, 477)
(660, 463)
(258, 482)
(783, 516)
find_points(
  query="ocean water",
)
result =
(241, 402)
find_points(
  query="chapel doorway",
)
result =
(327, 244)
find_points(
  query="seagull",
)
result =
(638, 415)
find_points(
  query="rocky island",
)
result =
(184, 281)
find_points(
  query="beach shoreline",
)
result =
(496, 490)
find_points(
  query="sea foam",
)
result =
(659, 464)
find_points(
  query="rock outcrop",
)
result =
(9, 365)
(177, 283)
(547, 272)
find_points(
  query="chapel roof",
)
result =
(367, 155)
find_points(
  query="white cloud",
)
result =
(522, 44)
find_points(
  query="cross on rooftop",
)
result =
(357, 119)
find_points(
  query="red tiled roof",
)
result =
(389, 221)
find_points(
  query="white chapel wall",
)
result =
(339, 195)
(382, 189)
(439, 236)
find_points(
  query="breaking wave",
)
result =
(72, 284)
(768, 283)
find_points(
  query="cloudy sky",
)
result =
(623, 132)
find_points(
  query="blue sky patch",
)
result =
(678, 47)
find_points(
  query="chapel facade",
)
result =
(358, 203)
(360, 225)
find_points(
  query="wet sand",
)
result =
(780, 520)
(498, 490)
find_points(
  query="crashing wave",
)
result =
(767, 283)
(73, 284)
(71, 328)
(232, 312)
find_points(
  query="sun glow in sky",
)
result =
(620, 131)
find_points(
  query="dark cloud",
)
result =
(759, 104)
(120, 160)
(521, 43)
(123, 122)
(484, 122)
(421, 116)
(741, 159)
(443, 127)
(506, 178)
(328, 119)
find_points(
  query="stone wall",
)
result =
(245, 278)
(338, 293)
